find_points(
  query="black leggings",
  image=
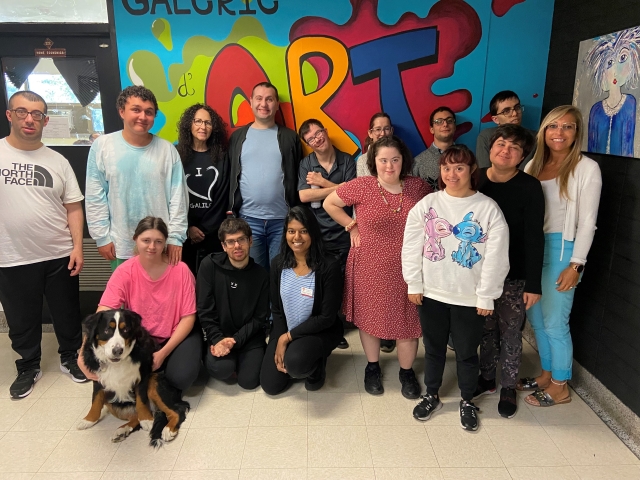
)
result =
(437, 320)
(246, 363)
(182, 366)
(302, 358)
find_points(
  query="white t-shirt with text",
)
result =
(34, 187)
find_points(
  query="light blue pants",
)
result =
(550, 316)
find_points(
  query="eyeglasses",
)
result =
(242, 241)
(565, 127)
(379, 130)
(312, 140)
(37, 115)
(198, 122)
(442, 121)
(508, 111)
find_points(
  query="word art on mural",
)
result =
(339, 74)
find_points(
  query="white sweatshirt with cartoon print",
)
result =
(456, 250)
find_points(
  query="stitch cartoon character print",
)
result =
(468, 231)
(435, 229)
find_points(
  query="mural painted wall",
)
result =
(339, 61)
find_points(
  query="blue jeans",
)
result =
(267, 235)
(550, 316)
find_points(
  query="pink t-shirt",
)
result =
(160, 303)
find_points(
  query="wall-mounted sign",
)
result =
(50, 52)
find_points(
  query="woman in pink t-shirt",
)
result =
(164, 296)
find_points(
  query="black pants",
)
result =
(302, 358)
(245, 363)
(22, 289)
(182, 366)
(341, 255)
(194, 253)
(502, 335)
(438, 319)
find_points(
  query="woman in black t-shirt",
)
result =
(202, 145)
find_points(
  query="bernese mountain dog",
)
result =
(120, 351)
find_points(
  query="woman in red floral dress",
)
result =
(375, 294)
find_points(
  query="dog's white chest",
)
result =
(120, 379)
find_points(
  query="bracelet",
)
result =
(349, 227)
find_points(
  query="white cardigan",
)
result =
(582, 208)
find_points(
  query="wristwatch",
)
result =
(577, 267)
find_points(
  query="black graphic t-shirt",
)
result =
(208, 186)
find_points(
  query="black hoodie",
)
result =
(233, 302)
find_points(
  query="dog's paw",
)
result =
(121, 433)
(146, 425)
(168, 435)
(84, 424)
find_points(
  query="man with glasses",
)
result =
(41, 224)
(132, 174)
(264, 161)
(321, 172)
(426, 165)
(233, 306)
(505, 109)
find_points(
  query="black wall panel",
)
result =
(605, 320)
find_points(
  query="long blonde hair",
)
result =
(542, 150)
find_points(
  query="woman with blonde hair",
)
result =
(571, 183)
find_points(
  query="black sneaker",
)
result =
(410, 386)
(387, 346)
(71, 367)
(373, 380)
(468, 415)
(343, 344)
(24, 382)
(429, 404)
(507, 406)
(485, 387)
(315, 381)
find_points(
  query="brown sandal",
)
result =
(544, 399)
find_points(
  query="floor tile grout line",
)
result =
(496, 449)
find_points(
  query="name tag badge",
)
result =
(307, 292)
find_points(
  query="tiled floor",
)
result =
(339, 432)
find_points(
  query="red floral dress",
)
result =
(375, 293)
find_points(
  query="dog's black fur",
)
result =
(120, 351)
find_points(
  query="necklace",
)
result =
(384, 199)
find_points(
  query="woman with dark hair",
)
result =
(379, 126)
(164, 296)
(375, 293)
(202, 145)
(306, 290)
(571, 183)
(454, 260)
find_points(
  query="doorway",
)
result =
(76, 86)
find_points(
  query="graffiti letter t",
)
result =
(387, 58)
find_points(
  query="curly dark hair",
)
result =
(391, 142)
(315, 254)
(139, 91)
(217, 142)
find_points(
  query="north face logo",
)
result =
(26, 174)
